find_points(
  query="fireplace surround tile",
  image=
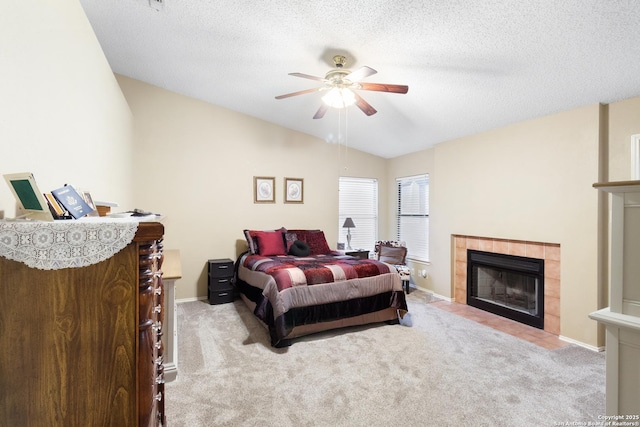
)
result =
(501, 246)
(551, 323)
(551, 287)
(485, 245)
(517, 248)
(550, 252)
(551, 269)
(551, 305)
(535, 250)
(473, 243)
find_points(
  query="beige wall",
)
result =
(624, 121)
(529, 181)
(196, 163)
(62, 114)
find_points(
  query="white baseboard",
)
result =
(170, 371)
(180, 301)
(435, 295)
(581, 344)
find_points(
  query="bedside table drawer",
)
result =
(220, 282)
(220, 268)
(220, 296)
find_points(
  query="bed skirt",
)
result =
(308, 320)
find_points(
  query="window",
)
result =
(359, 201)
(413, 215)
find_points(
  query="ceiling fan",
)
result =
(340, 84)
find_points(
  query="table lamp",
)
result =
(348, 224)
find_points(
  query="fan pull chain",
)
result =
(346, 142)
(346, 139)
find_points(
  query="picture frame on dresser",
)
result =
(30, 201)
(264, 189)
(294, 190)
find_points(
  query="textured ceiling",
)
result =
(470, 66)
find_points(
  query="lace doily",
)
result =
(65, 244)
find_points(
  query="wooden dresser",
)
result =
(82, 346)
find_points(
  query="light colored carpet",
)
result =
(442, 370)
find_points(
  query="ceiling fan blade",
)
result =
(320, 113)
(364, 105)
(302, 92)
(381, 87)
(307, 76)
(360, 73)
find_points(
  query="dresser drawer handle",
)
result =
(223, 294)
(223, 266)
(158, 344)
(157, 308)
(223, 280)
(160, 379)
(158, 360)
(157, 326)
(159, 397)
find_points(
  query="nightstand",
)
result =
(220, 289)
(358, 253)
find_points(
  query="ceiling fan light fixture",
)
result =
(339, 98)
(341, 85)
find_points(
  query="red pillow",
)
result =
(252, 241)
(317, 243)
(270, 243)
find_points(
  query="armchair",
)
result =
(395, 253)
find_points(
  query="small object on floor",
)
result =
(405, 320)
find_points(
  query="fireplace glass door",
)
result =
(511, 290)
(507, 285)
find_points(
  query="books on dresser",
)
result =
(72, 201)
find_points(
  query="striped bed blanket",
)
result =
(289, 271)
(295, 296)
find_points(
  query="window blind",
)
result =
(413, 215)
(358, 200)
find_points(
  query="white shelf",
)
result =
(618, 320)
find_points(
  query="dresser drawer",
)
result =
(220, 267)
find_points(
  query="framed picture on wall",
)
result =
(264, 189)
(294, 190)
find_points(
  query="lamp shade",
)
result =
(348, 223)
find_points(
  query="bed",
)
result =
(296, 291)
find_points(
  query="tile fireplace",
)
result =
(548, 305)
